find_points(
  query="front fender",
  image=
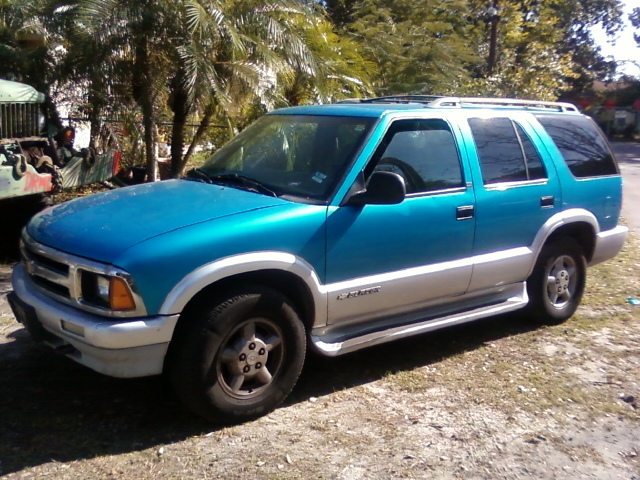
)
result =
(233, 265)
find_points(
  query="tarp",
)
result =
(11, 92)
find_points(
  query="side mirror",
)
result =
(383, 188)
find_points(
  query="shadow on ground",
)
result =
(53, 409)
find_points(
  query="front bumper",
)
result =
(608, 244)
(133, 347)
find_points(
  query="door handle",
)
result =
(465, 212)
(547, 201)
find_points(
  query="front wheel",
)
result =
(238, 359)
(557, 283)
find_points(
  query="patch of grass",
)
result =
(514, 372)
(410, 380)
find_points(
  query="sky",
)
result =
(624, 46)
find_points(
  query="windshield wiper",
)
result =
(230, 179)
(248, 183)
(198, 175)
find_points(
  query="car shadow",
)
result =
(52, 409)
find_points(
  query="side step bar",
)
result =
(332, 345)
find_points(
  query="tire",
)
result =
(557, 283)
(239, 359)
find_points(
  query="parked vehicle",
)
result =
(29, 159)
(337, 226)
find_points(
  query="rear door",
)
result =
(517, 191)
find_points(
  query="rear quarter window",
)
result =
(581, 144)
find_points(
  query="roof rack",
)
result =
(459, 102)
(503, 102)
(424, 99)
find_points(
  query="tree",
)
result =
(266, 52)
(138, 36)
(28, 34)
(419, 46)
(543, 49)
(634, 17)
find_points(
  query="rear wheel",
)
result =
(557, 283)
(239, 359)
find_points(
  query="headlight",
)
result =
(106, 291)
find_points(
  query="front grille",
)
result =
(50, 273)
(60, 275)
(18, 120)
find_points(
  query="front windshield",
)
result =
(289, 155)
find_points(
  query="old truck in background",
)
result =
(29, 162)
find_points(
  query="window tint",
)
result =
(505, 151)
(499, 150)
(581, 143)
(423, 152)
(535, 167)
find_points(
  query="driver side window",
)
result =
(423, 153)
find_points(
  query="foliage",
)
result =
(634, 17)
(419, 46)
(215, 63)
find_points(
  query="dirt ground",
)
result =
(501, 398)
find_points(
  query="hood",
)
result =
(103, 225)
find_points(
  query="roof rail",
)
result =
(424, 99)
(458, 102)
(503, 102)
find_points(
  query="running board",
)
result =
(332, 345)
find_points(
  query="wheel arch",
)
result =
(582, 232)
(282, 272)
(577, 224)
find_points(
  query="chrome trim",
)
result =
(330, 344)
(71, 281)
(35, 269)
(458, 102)
(502, 186)
(443, 191)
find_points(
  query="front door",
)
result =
(389, 260)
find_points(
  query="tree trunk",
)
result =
(150, 139)
(202, 128)
(181, 107)
(96, 105)
(144, 92)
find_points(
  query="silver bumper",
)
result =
(117, 347)
(608, 244)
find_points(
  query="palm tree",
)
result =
(202, 59)
(28, 35)
(234, 53)
(135, 41)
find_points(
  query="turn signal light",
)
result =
(120, 296)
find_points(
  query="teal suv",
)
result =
(331, 227)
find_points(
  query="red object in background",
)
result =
(584, 102)
(636, 104)
(609, 104)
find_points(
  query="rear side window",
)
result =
(505, 151)
(582, 145)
